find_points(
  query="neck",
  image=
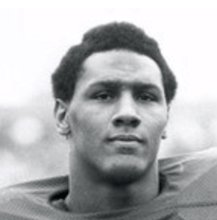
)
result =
(86, 196)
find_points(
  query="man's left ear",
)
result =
(168, 112)
(60, 113)
(164, 134)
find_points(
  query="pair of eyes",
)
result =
(109, 96)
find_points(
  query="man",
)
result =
(113, 94)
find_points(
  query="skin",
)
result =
(114, 124)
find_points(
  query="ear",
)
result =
(164, 133)
(168, 112)
(60, 113)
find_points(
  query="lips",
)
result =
(126, 138)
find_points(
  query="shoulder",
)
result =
(194, 164)
(181, 171)
(41, 188)
(29, 198)
(195, 178)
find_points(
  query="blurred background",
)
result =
(35, 35)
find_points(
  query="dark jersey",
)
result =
(188, 192)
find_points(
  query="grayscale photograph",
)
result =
(108, 110)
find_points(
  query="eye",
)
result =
(104, 96)
(146, 97)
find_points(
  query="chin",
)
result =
(123, 173)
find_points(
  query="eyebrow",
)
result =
(110, 84)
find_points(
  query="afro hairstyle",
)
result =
(112, 36)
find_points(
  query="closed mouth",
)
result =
(125, 138)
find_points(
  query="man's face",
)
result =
(117, 116)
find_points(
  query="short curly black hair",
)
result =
(115, 35)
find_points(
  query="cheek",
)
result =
(155, 135)
(157, 125)
(160, 125)
(86, 125)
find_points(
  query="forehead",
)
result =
(120, 65)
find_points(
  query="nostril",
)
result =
(126, 121)
(118, 122)
(135, 122)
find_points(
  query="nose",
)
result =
(126, 114)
